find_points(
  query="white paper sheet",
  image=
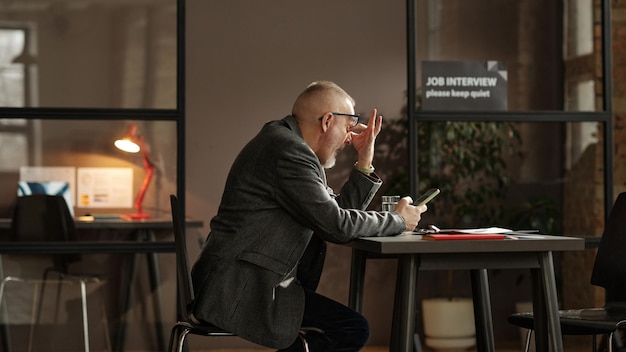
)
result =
(105, 187)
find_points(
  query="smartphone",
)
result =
(427, 196)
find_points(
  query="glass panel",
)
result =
(11, 72)
(579, 28)
(13, 150)
(96, 54)
(539, 175)
(581, 96)
(524, 35)
(89, 144)
(13, 122)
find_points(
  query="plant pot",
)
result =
(449, 323)
(523, 307)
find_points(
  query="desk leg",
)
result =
(539, 311)
(155, 281)
(551, 299)
(403, 325)
(130, 273)
(357, 280)
(482, 310)
(127, 289)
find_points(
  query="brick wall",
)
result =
(583, 196)
(619, 94)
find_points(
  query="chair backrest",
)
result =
(41, 217)
(609, 270)
(185, 288)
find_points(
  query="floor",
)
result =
(570, 344)
(386, 349)
(371, 349)
(506, 348)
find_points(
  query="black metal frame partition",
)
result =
(177, 114)
(605, 116)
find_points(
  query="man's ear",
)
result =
(326, 121)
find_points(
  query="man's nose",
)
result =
(348, 139)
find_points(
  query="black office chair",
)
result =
(187, 324)
(609, 272)
(43, 217)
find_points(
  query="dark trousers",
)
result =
(344, 330)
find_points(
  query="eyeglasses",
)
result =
(355, 117)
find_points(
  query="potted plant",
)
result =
(466, 160)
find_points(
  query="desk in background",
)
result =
(415, 254)
(142, 240)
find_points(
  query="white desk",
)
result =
(478, 256)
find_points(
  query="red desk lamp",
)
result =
(133, 142)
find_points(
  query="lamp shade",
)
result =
(130, 141)
(133, 142)
(127, 145)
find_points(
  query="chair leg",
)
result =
(5, 314)
(174, 339)
(529, 336)
(83, 295)
(177, 338)
(617, 340)
(609, 344)
(41, 294)
(181, 340)
(34, 319)
(105, 320)
(4, 281)
(4, 307)
(40, 304)
(305, 344)
(61, 279)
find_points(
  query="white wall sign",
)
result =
(109, 187)
(464, 85)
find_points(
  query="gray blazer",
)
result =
(275, 204)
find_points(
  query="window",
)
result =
(12, 72)
(82, 71)
(14, 92)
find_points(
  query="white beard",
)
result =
(330, 162)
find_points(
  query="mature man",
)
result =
(263, 259)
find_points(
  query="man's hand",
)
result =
(364, 138)
(411, 214)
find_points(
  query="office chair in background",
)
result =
(41, 218)
(187, 325)
(609, 272)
